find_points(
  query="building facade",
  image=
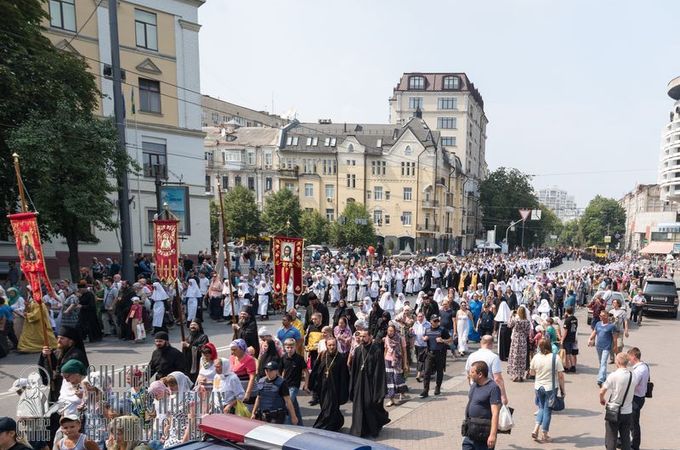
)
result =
(645, 211)
(559, 202)
(450, 104)
(218, 112)
(669, 164)
(411, 188)
(159, 55)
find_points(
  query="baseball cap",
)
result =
(69, 418)
(7, 424)
(434, 317)
(271, 365)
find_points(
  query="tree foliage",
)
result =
(314, 227)
(281, 213)
(603, 216)
(353, 227)
(242, 218)
(571, 235)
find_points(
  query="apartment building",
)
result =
(560, 202)
(160, 57)
(450, 104)
(218, 112)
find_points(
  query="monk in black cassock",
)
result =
(88, 322)
(330, 381)
(368, 388)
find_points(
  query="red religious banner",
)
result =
(287, 264)
(25, 230)
(167, 249)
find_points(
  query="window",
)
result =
(415, 103)
(388, 194)
(446, 123)
(289, 140)
(208, 184)
(225, 183)
(330, 191)
(350, 148)
(154, 155)
(408, 169)
(251, 183)
(215, 118)
(447, 103)
(327, 142)
(333, 142)
(208, 156)
(416, 82)
(309, 141)
(406, 218)
(145, 27)
(451, 83)
(378, 193)
(351, 181)
(378, 167)
(290, 186)
(315, 141)
(268, 184)
(408, 151)
(449, 141)
(330, 214)
(234, 156)
(408, 193)
(377, 217)
(330, 166)
(387, 219)
(379, 143)
(351, 162)
(63, 14)
(295, 140)
(368, 195)
(149, 95)
(268, 159)
(250, 157)
(309, 165)
(237, 180)
(309, 190)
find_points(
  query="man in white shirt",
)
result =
(617, 383)
(641, 370)
(492, 361)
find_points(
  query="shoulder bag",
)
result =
(555, 402)
(477, 429)
(650, 385)
(612, 410)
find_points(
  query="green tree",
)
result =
(75, 159)
(314, 227)
(571, 234)
(282, 208)
(354, 226)
(603, 216)
(242, 217)
(36, 81)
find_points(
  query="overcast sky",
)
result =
(574, 90)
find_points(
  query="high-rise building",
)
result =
(669, 164)
(450, 104)
(559, 202)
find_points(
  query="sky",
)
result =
(574, 90)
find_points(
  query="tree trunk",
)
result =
(73, 261)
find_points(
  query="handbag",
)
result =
(650, 385)
(555, 402)
(612, 410)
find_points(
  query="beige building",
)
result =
(218, 112)
(450, 104)
(159, 55)
(409, 185)
(645, 211)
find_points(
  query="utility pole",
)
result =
(119, 114)
(158, 183)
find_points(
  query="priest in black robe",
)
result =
(330, 382)
(368, 388)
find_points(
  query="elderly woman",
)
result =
(182, 409)
(227, 388)
(245, 368)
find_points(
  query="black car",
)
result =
(661, 295)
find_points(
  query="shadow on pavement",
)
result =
(407, 435)
(573, 412)
(581, 440)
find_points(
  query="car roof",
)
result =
(660, 280)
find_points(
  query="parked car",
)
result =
(405, 256)
(227, 431)
(661, 295)
(440, 258)
(623, 298)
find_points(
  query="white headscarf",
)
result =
(263, 289)
(438, 296)
(386, 302)
(193, 291)
(503, 314)
(544, 307)
(184, 384)
(158, 293)
(399, 304)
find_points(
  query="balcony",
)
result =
(427, 228)
(288, 173)
(449, 231)
(430, 203)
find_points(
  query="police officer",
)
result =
(273, 402)
(438, 339)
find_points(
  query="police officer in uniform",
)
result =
(273, 402)
(438, 340)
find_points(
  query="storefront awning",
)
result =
(658, 248)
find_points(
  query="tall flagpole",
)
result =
(227, 258)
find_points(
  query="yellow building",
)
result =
(159, 56)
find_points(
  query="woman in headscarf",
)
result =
(504, 331)
(381, 328)
(395, 365)
(373, 317)
(243, 294)
(18, 305)
(227, 388)
(475, 307)
(53, 302)
(462, 324)
(181, 409)
(263, 291)
(244, 367)
(363, 285)
(246, 329)
(438, 296)
(366, 307)
(215, 297)
(191, 348)
(227, 312)
(387, 302)
(343, 334)
(351, 288)
(193, 296)
(399, 304)
(410, 277)
(137, 393)
(158, 297)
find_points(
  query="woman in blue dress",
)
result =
(476, 310)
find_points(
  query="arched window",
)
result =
(408, 151)
(350, 148)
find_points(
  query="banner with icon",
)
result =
(288, 264)
(29, 247)
(166, 246)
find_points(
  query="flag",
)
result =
(29, 247)
(166, 246)
(287, 261)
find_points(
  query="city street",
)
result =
(435, 422)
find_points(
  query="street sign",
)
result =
(524, 213)
(607, 239)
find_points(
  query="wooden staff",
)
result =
(178, 301)
(227, 258)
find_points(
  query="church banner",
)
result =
(29, 247)
(288, 256)
(166, 247)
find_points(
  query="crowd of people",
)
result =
(388, 318)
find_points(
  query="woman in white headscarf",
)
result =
(158, 297)
(410, 277)
(226, 310)
(263, 291)
(387, 303)
(366, 306)
(182, 408)
(419, 299)
(193, 296)
(374, 291)
(399, 304)
(504, 331)
(227, 388)
(438, 297)
(351, 288)
(363, 284)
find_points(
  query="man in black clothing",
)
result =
(428, 307)
(166, 358)
(330, 382)
(569, 340)
(8, 435)
(484, 404)
(438, 340)
(559, 300)
(273, 397)
(69, 346)
(316, 306)
(294, 369)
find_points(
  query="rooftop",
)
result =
(434, 82)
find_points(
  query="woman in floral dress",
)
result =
(519, 345)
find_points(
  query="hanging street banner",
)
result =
(287, 264)
(29, 247)
(166, 246)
